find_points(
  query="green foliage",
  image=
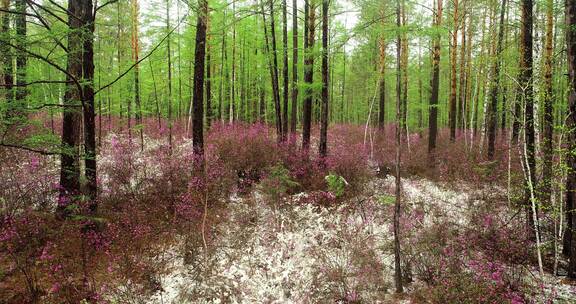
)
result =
(278, 182)
(336, 184)
(386, 199)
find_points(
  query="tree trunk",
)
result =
(323, 145)
(468, 82)
(276, 88)
(79, 93)
(6, 53)
(397, 251)
(198, 96)
(294, 114)
(382, 84)
(294, 110)
(157, 102)
(548, 121)
(284, 71)
(21, 57)
(91, 189)
(169, 93)
(433, 112)
(453, 78)
(273, 66)
(232, 105)
(493, 107)
(309, 28)
(420, 96)
(404, 66)
(525, 83)
(570, 235)
(462, 89)
(208, 79)
(135, 58)
(222, 67)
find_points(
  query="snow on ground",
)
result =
(297, 253)
(280, 254)
(284, 252)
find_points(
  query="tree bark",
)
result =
(433, 112)
(284, 71)
(80, 91)
(135, 58)
(273, 66)
(404, 66)
(462, 81)
(570, 234)
(382, 84)
(208, 79)
(397, 251)
(21, 57)
(493, 107)
(6, 53)
(453, 76)
(198, 97)
(169, 93)
(548, 121)
(323, 145)
(294, 114)
(309, 28)
(525, 82)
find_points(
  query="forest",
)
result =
(287, 151)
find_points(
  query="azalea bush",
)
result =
(159, 203)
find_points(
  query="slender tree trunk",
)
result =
(404, 66)
(232, 105)
(119, 53)
(285, 70)
(468, 82)
(208, 79)
(309, 29)
(157, 102)
(462, 89)
(493, 107)
(169, 93)
(343, 93)
(382, 84)
(453, 76)
(525, 83)
(198, 96)
(6, 56)
(222, 67)
(570, 234)
(548, 121)
(273, 66)
(323, 145)
(420, 96)
(433, 112)
(475, 98)
(294, 114)
(179, 52)
(276, 87)
(397, 251)
(241, 110)
(21, 57)
(135, 58)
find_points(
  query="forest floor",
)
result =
(287, 252)
(266, 226)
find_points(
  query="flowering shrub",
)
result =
(474, 262)
(159, 203)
